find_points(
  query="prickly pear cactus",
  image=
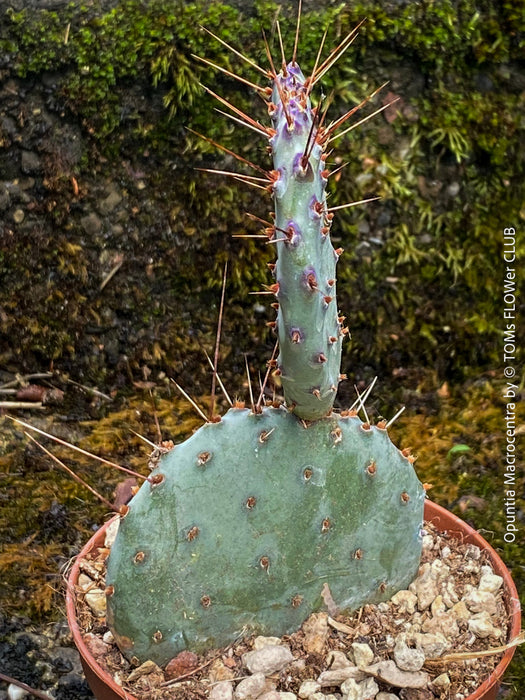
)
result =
(261, 517)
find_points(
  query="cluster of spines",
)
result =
(308, 363)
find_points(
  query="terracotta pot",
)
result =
(105, 688)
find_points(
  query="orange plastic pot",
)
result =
(105, 688)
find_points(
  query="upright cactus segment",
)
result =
(261, 516)
(309, 330)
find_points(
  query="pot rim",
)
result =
(447, 522)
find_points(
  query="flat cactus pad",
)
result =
(241, 527)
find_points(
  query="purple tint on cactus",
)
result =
(294, 233)
(301, 173)
(315, 208)
(296, 335)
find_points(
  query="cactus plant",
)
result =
(265, 514)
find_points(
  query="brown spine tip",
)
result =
(365, 426)
(371, 469)
(321, 358)
(271, 324)
(157, 637)
(332, 339)
(326, 525)
(327, 299)
(297, 600)
(406, 451)
(307, 474)
(264, 435)
(381, 424)
(251, 502)
(264, 562)
(316, 393)
(358, 554)
(205, 601)
(139, 557)
(192, 533)
(382, 587)
(123, 510)
(337, 435)
(203, 458)
(109, 590)
(156, 479)
(405, 498)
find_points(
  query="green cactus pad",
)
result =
(241, 526)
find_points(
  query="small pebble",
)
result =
(16, 693)
(250, 687)
(363, 654)
(315, 630)
(308, 688)
(337, 659)
(268, 660)
(406, 600)
(260, 642)
(221, 691)
(408, 659)
(490, 583)
(442, 681)
(481, 625)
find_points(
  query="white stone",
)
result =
(339, 676)
(388, 672)
(14, 692)
(221, 691)
(428, 541)
(438, 606)
(363, 654)
(337, 659)
(481, 625)
(491, 583)
(424, 587)
(449, 593)
(251, 687)
(473, 552)
(367, 689)
(386, 696)
(486, 569)
(443, 623)
(260, 642)
(111, 533)
(478, 601)
(308, 688)
(440, 571)
(445, 552)
(406, 600)
(350, 689)
(460, 611)
(408, 659)
(268, 660)
(108, 637)
(432, 645)
(442, 681)
(96, 599)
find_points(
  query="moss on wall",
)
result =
(418, 281)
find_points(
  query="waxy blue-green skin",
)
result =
(256, 490)
(243, 526)
(310, 335)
